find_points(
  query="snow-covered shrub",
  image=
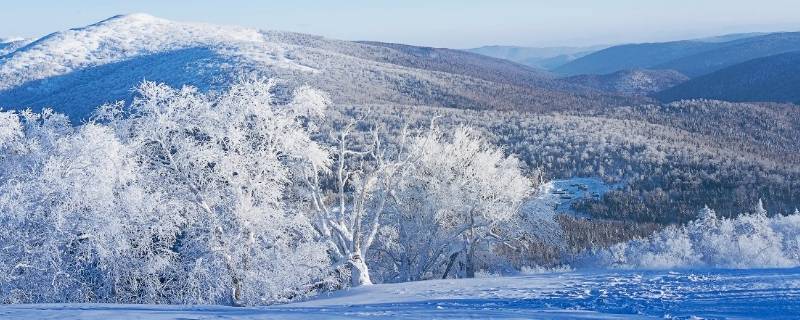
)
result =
(224, 161)
(457, 194)
(65, 198)
(752, 240)
(183, 200)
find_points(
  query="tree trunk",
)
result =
(236, 294)
(359, 273)
(470, 261)
(450, 264)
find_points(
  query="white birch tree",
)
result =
(350, 211)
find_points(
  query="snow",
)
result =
(77, 70)
(9, 45)
(686, 294)
(127, 36)
(557, 196)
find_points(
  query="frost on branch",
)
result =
(179, 202)
(457, 199)
(420, 205)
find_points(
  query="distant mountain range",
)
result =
(690, 57)
(550, 58)
(773, 78)
(734, 67)
(546, 58)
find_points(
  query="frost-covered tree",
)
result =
(349, 213)
(462, 186)
(749, 241)
(69, 211)
(413, 201)
(220, 163)
(456, 194)
(179, 198)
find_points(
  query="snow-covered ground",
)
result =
(727, 294)
(557, 196)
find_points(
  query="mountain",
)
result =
(461, 62)
(631, 82)
(8, 45)
(690, 57)
(733, 52)
(632, 56)
(543, 58)
(731, 37)
(76, 70)
(774, 78)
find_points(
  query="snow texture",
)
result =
(122, 37)
(114, 55)
(696, 294)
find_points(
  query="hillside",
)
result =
(632, 56)
(733, 52)
(9, 45)
(68, 69)
(462, 62)
(631, 82)
(690, 57)
(775, 78)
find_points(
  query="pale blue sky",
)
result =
(444, 23)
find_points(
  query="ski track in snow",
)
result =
(687, 294)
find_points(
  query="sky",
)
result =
(443, 23)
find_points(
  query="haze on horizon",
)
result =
(447, 23)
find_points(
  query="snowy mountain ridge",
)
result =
(8, 45)
(66, 70)
(127, 36)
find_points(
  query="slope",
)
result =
(631, 82)
(11, 44)
(76, 70)
(733, 52)
(690, 57)
(774, 78)
(685, 294)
